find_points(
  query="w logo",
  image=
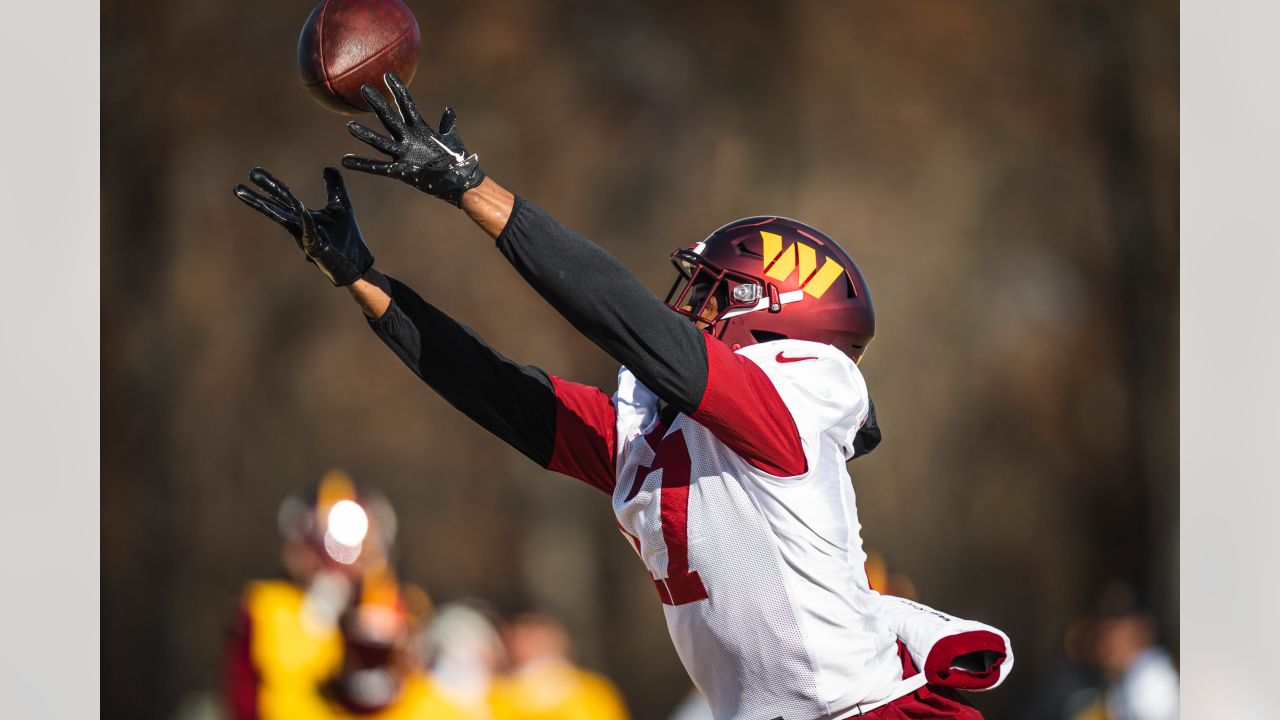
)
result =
(780, 262)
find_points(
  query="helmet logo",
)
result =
(780, 263)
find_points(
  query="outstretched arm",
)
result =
(595, 292)
(539, 415)
(688, 368)
(607, 303)
(560, 425)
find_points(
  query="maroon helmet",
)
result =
(773, 278)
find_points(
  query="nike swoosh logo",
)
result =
(456, 155)
(782, 359)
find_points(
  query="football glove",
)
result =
(434, 161)
(329, 237)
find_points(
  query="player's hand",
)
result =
(329, 237)
(434, 161)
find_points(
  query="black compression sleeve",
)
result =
(608, 304)
(515, 402)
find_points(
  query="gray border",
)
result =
(1230, 358)
(49, 405)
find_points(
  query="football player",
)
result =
(544, 683)
(739, 401)
(288, 634)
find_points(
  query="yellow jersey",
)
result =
(556, 690)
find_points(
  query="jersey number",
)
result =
(681, 585)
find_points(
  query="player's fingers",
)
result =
(365, 165)
(310, 236)
(266, 206)
(448, 121)
(402, 171)
(401, 93)
(336, 187)
(387, 114)
(274, 187)
(379, 142)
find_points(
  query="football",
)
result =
(345, 44)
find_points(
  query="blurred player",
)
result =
(464, 654)
(544, 684)
(381, 677)
(286, 640)
(723, 448)
(1142, 682)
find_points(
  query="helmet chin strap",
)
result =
(763, 304)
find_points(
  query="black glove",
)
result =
(434, 161)
(329, 237)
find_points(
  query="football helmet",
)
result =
(768, 278)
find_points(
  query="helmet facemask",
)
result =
(709, 295)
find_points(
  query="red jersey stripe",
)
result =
(586, 428)
(744, 411)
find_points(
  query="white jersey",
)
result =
(762, 578)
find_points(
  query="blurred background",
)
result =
(1006, 176)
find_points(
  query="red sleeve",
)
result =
(744, 411)
(240, 684)
(586, 428)
(948, 666)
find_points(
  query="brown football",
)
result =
(347, 43)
